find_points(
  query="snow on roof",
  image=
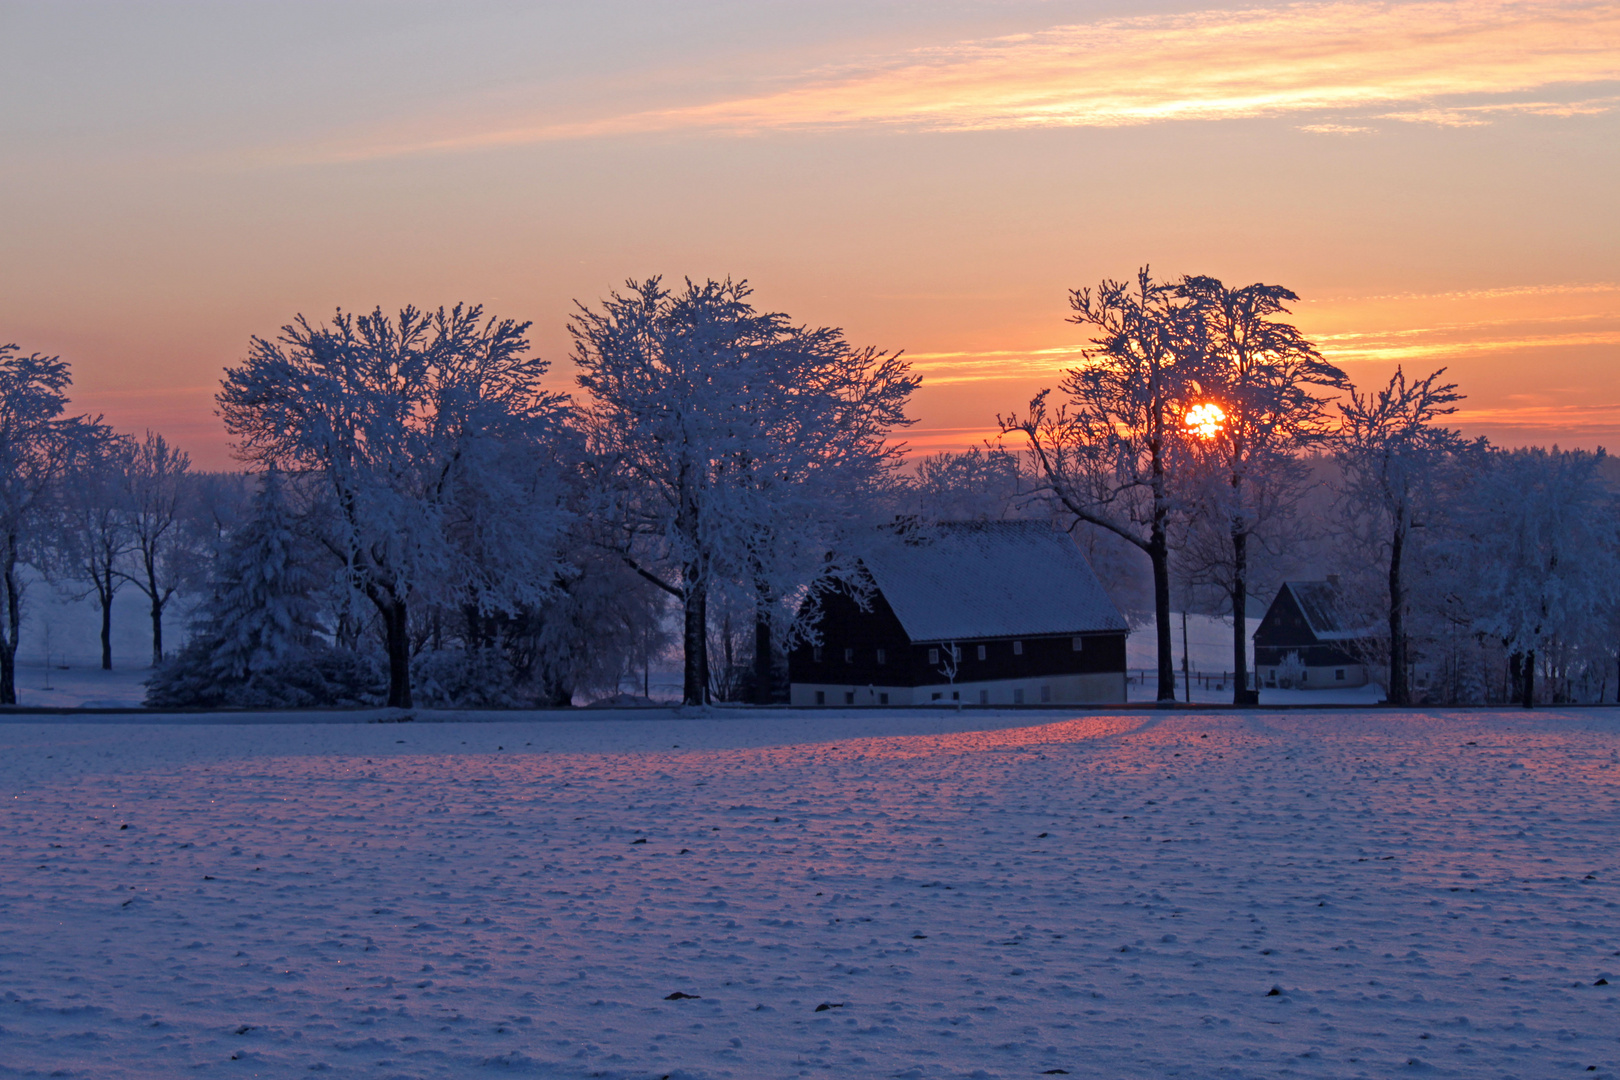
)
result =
(988, 579)
(1320, 603)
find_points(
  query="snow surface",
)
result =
(969, 894)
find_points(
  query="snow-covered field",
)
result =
(883, 894)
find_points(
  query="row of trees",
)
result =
(425, 521)
(1203, 429)
(93, 511)
(507, 541)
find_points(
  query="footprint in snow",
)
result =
(678, 996)
(825, 1005)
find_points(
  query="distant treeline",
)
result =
(420, 521)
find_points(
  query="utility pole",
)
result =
(1186, 659)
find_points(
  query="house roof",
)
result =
(1320, 603)
(989, 579)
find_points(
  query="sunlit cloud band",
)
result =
(1414, 61)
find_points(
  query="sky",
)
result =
(1436, 180)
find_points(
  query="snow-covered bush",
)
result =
(477, 678)
(318, 677)
(1290, 671)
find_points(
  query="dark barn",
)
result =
(1015, 603)
(1303, 641)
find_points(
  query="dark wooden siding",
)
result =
(1284, 630)
(845, 626)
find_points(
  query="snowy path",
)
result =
(1110, 896)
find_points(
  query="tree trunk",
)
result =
(13, 627)
(158, 598)
(157, 632)
(762, 654)
(695, 641)
(104, 589)
(1529, 682)
(1399, 692)
(1159, 554)
(397, 623)
(1241, 694)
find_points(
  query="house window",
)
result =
(1018, 697)
(849, 697)
(956, 653)
(1046, 695)
(935, 697)
(821, 696)
(1077, 643)
(1018, 648)
(883, 656)
(1338, 674)
(956, 695)
(933, 658)
(1304, 676)
(849, 656)
(883, 699)
(981, 652)
(815, 654)
(984, 697)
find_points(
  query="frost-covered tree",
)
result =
(1537, 535)
(1392, 454)
(93, 532)
(731, 445)
(973, 485)
(262, 611)
(1107, 454)
(38, 445)
(430, 436)
(1264, 377)
(257, 640)
(162, 556)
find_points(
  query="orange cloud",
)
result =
(1301, 58)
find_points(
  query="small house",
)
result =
(1304, 641)
(977, 613)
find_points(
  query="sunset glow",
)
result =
(1204, 420)
(1434, 179)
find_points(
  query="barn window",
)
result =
(815, 654)
(981, 652)
(883, 699)
(956, 653)
(1018, 697)
(849, 656)
(933, 656)
(821, 697)
(1018, 648)
(883, 656)
(984, 697)
(1338, 673)
(1078, 643)
(935, 697)
(849, 697)
(1046, 694)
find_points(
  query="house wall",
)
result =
(851, 640)
(1094, 688)
(847, 662)
(1323, 677)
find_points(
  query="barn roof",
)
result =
(1320, 603)
(989, 579)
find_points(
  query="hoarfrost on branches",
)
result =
(430, 435)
